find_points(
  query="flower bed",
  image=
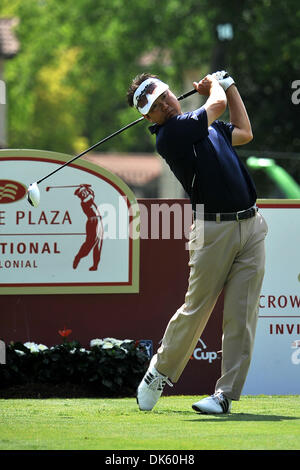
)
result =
(109, 368)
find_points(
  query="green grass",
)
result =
(256, 423)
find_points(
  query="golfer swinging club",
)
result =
(199, 150)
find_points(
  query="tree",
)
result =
(263, 57)
(87, 52)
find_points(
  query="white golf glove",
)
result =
(224, 79)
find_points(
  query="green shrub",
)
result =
(110, 367)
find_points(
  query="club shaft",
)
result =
(133, 123)
(91, 148)
(67, 186)
(186, 95)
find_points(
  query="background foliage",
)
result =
(67, 86)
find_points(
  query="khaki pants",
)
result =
(233, 258)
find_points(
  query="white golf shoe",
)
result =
(215, 404)
(151, 387)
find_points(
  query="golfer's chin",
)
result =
(173, 113)
(168, 116)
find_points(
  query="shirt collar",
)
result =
(154, 128)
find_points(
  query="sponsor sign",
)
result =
(202, 353)
(83, 237)
(2, 352)
(275, 367)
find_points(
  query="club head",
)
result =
(33, 194)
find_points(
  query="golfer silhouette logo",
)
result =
(94, 227)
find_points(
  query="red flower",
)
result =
(64, 333)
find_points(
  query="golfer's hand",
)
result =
(224, 79)
(203, 87)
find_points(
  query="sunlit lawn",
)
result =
(260, 422)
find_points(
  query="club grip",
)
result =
(185, 95)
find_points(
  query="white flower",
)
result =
(111, 340)
(114, 341)
(72, 351)
(84, 350)
(32, 346)
(109, 343)
(35, 347)
(21, 353)
(96, 342)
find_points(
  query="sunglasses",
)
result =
(142, 99)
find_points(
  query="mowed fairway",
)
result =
(256, 423)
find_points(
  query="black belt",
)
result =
(227, 216)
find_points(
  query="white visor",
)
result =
(148, 91)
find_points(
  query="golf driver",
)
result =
(33, 193)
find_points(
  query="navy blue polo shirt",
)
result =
(204, 161)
